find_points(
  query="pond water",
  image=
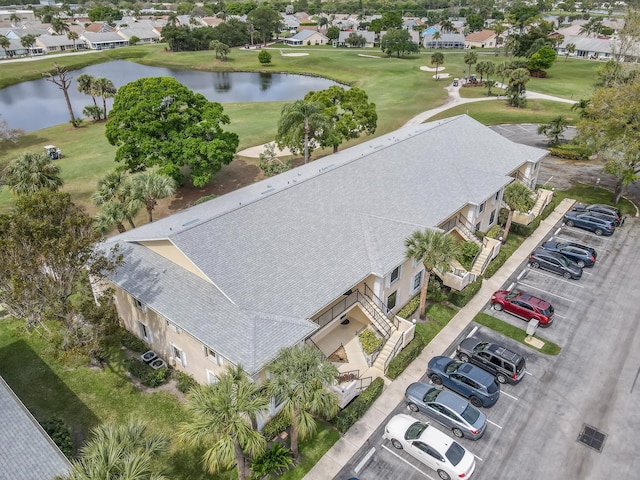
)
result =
(39, 103)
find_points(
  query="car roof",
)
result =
(527, 297)
(400, 423)
(451, 400)
(476, 373)
(504, 352)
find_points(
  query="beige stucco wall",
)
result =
(169, 251)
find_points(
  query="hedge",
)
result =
(356, 409)
(148, 376)
(461, 298)
(569, 151)
(406, 311)
(133, 343)
(60, 434)
(407, 355)
(277, 424)
(184, 382)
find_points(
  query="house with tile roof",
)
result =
(481, 39)
(316, 254)
(27, 452)
(306, 37)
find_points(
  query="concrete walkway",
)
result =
(333, 461)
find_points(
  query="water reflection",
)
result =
(39, 104)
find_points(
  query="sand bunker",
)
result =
(442, 75)
(429, 69)
(368, 56)
(301, 54)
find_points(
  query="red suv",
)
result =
(523, 305)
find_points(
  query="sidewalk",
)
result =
(338, 456)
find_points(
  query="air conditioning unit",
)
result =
(157, 363)
(149, 356)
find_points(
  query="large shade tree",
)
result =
(349, 114)
(519, 198)
(300, 126)
(30, 173)
(265, 20)
(160, 122)
(300, 377)
(221, 420)
(435, 250)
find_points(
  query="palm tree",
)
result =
(15, 19)
(59, 26)
(85, 85)
(120, 451)
(32, 172)
(498, 29)
(73, 36)
(503, 70)
(511, 45)
(516, 90)
(5, 43)
(517, 197)
(61, 78)
(27, 42)
(436, 36)
(554, 130)
(115, 188)
(103, 87)
(447, 25)
(300, 376)
(298, 121)
(437, 59)
(470, 58)
(149, 186)
(111, 213)
(222, 416)
(570, 49)
(581, 107)
(434, 249)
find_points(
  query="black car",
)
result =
(608, 211)
(555, 262)
(590, 221)
(502, 363)
(581, 254)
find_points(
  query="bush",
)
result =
(148, 376)
(406, 311)
(60, 434)
(356, 409)
(184, 382)
(495, 232)
(264, 57)
(468, 252)
(435, 292)
(460, 299)
(133, 343)
(277, 424)
(570, 151)
(206, 198)
(407, 355)
(275, 460)
(370, 342)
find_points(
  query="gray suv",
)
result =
(505, 365)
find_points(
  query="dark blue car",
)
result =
(465, 379)
(581, 254)
(591, 222)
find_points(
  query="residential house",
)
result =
(289, 24)
(315, 254)
(446, 40)
(103, 40)
(481, 39)
(144, 34)
(306, 37)
(589, 47)
(369, 38)
(27, 452)
(58, 43)
(25, 15)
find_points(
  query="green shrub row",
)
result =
(407, 355)
(148, 376)
(133, 343)
(461, 298)
(277, 424)
(184, 382)
(569, 151)
(468, 252)
(356, 409)
(60, 434)
(370, 342)
(406, 311)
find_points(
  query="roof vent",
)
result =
(191, 222)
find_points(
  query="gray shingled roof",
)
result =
(27, 452)
(291, 244)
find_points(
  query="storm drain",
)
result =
(592, 437)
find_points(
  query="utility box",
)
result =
(532, 326)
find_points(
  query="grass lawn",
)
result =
(515, 333)
(312, 449)
(588, 194)
(438, 315)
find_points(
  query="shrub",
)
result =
(60, 434)
(495, 232)
(148, 376)
(277, 424)
(407, 355)
(206, 198)
(435, 292)
(184, 382)
(264, 57)
(370, 342)
(460, 299)
(468, 252)
(275, 460)
(133, 343)
(570, 151)
(406, 311)
(356, 409)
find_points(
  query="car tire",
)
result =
(436, 379)
(501, 378)
(475, 401)
(569, 223)
(457, 432)
(396, 444)
(566, 275)
(598, 232)
(498, 307)
(581, 263)
(464, 357)
(534, 265)
(413, 407)
(443, 475)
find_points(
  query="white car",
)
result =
(430, 446)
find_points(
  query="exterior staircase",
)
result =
(387, 350)
(481, 261)
(541, 201)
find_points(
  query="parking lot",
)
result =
(588, 392)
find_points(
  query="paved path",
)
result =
(333, 461)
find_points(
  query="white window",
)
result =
(212, 356)
(391, 301)
(144, 331)
(179, 355)
(211, 377)
(395, 275)
(417, 280)
(139, 305)
(497, 196)
(482, 206)
(492, 217)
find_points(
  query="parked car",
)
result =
(468, 380)
(448, 409)
(523, 305)
(502, 363)
(608, 211)
(430, 446)
(554, 262)
(592, 222)
(581, 254)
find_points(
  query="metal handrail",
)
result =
(393, 353)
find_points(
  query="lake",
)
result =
(40, 104)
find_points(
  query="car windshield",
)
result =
(455, 453)
(431, 395)
(520, 365)
(492, 387)
(415, 430)
(547, 312)
(453, 367)
(563, 261)
(471, 414)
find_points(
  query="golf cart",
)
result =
(53, 152)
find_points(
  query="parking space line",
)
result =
(510, 396)
(568, 239)
(473, 331)
(511, 286)
(521, 274)
(494, 424)
(408, 463)
(576, 229)
(573, 282)
(559, 316)
(547, 292)
(366, 458)
(527, 372)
